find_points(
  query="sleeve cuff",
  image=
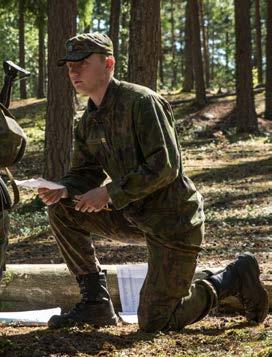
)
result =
(117, 195)
(72, 191)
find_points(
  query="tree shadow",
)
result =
(29, 110)
(231, 199)
(70, 342)
(235, 172)
(90, 341)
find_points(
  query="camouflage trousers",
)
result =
(4, 224)
(168, 299)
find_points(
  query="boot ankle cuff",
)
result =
(211, 290)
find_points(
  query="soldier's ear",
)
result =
(110, 62)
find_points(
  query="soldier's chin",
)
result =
(80, 90)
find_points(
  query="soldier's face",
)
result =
(88, 75)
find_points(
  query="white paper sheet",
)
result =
(34, 317)
(128, 318)
(130, 280)
(38, 183)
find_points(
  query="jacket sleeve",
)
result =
(85, 172)
(159, 149)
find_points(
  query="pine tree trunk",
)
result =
(268, 84)
(161, 57)
(188, 82)
(258, 41)
(226, 50)
(144, 42)
(21, 25)
(173, 49)
(205, 44)
(40, 89)
(246, 120)
(123, 51)
(212, 39)
(197, 55)
(181, 49)
(114, 28)
(60, 107)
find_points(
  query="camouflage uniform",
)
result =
(131, 137)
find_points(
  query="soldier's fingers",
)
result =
(51, 197)
(78, 206)
(85, 208)
(82, 203)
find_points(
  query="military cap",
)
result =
(82, 46)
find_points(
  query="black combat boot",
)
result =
(242, 279)
(95, 307)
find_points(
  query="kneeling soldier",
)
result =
(128, 133)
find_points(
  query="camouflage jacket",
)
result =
(131, 137)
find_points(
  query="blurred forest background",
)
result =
(203, 47)
(23, 29)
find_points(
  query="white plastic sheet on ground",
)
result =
(130, 280)
(30, 318)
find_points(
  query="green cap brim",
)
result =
(73, 57)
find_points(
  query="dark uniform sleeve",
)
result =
(159, 148)
(85, 172)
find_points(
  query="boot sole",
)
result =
(248, 262)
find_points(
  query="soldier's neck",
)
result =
(98, 95)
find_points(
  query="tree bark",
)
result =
(212, 39)
(258, 41)
(40, 89)
(60, 106)
(144, 42)
(173, 49)
(124, 34)
(197, 55)
(188, 82)
(227, 52)
(205, 44)
(114, 28)
(268, 83)
(246, 119)
(21, 26)
(161, 58)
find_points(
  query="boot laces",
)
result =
(84, 299)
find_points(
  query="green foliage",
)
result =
(85, 12)
(101, 16)
(9, 35)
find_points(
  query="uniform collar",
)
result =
(108, 99)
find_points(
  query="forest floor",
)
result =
(233, 172)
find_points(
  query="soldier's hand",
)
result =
(49, 197)
(92, 201)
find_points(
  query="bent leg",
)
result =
(72, 230)
(4, 225)
(167, 299)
